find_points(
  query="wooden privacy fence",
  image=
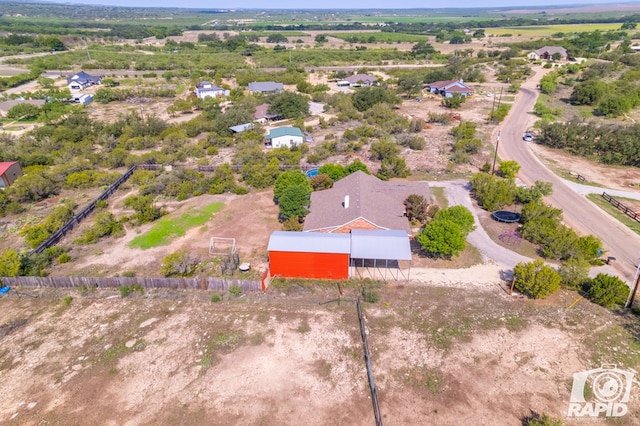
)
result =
(75, 220)
(216, 284)
(617, 204)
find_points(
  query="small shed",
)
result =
(309, 255)
(9, 172)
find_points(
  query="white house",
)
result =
(82, 80)
(283, 136)
(204, 89)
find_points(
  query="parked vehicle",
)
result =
(528, 137)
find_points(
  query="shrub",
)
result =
(216, 297)
(180, 263)
(64, 258)
(536, 279)
(607, 290)
(235, 290)
(66, 301)
(370, 294)
(126, 290)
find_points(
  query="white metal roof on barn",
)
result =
(380, 244)
(309, 242)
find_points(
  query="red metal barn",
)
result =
(309, 255)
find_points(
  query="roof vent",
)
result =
(345, 204)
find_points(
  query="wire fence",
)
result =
(86, 211)
(367, 360)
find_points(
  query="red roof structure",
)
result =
(4, 166)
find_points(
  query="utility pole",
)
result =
(495, 156)
(632, 295)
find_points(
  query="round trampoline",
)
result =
(506, 216)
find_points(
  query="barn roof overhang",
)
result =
(392, 244)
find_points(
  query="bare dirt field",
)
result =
(463, 353)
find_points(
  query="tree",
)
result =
(509, 169)
(290, 178)
(574, 273)
(393, 167)
(9, 263)
(614, 105)
(459, 215)
(144, 209)
(492, 192)
(384, 148)
(24, 111)
(321, 38)
(588, 92)
(320, 182)
(277, 38)
(289, 105)
(333, 170)
(294, 201)
(455, 101)
(629, 25)
(540, 222)
(355, 166)
(416, 207)
(422, 49)
(366, 97)
(410, 84)
(442, 238)
(536, 279)
(608, 291)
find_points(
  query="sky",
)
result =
(336, 4)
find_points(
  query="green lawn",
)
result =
(167, 228)
(547, 30)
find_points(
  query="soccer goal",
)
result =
(219, 246)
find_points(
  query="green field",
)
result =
(547, 30)
(167, 229)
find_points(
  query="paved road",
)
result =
(579, 212)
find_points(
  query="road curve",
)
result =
(579, 213)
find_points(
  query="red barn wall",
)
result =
(309, 265)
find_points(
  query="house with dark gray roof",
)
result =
(82, 80)
(547, 53)
(362, 201)
(266, 87)
(358, 80)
